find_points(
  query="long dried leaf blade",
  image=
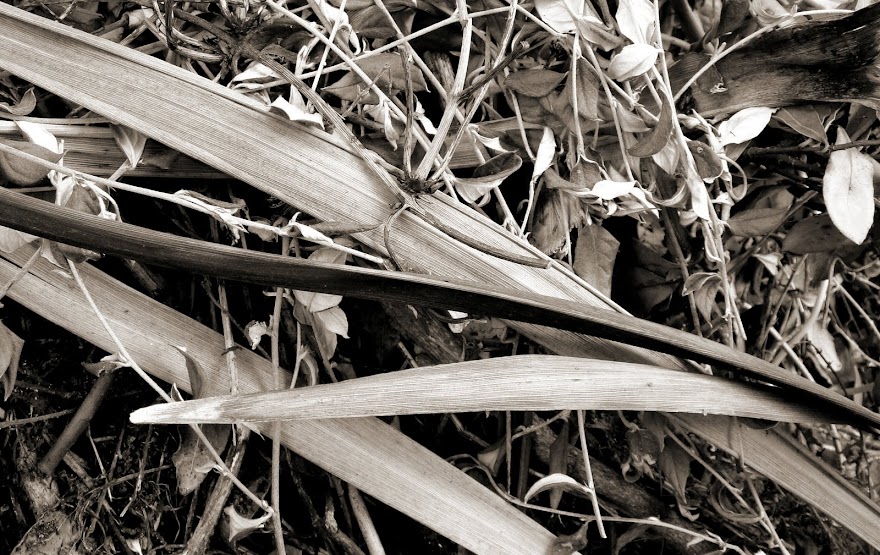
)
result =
(529, 382)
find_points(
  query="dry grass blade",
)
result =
(528, 382)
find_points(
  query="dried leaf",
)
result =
(255, 331)
(296, 113)
(566, 544)
(757, 222)
(10, 353)
(130, 142)
(675, 463)
(23, 107)
(562, 481)
(386, 72)
(333, 320)
(814, 234)
(561, 14)
(708, 164)
(805, 120)
(24, 172)
(236, 527)
(534, 82)
(546, 154)
(594, 257)
(848, 190)
(488, 175)
(583, 84)
(655, 139)
(12, 239)
(316, 302)
(633, 60)
(744, 125)
(635, 19)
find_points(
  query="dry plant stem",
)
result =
(34, 419)
(613, 104)
(365, 523)
(155, 387)
(78, 423)
(228, 340)
(278, 378)
(451, 110)
(682, 266)
(594, 498)
(788, 351)
(765, 517)
(812, 320)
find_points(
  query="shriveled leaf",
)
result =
(705, 287)
(296, 113)
(644, 445)
(10, 353)
(733, 14)
(24, 172)
(567, 544)
(757, 222)
(814, 234)
(23, 107)
(823, 341)
(561, 481)
(594, 256)
(555, 216)
(534, 82)
(655, 139)
(235, 527)
(488, 175)
(848, 191)
(635, 19)
(675, 463)
(130, 142)
(744, 125)
(633, 60)
(255, 331)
